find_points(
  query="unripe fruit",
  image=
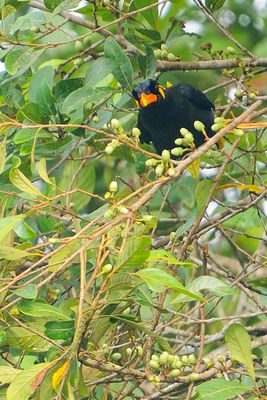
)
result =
(208, 362)
(178, 364)
(164, 54)
(199, 126)
(147, 218)
(165, 155)
(219, 120)
(79, 46)
(170, 359)
(184, 131)
(114, 123)
(194, 376)
(179, 141)
(221, 359)
(177, 151)
(163, 46)
(189, 138)
(157, 53)
(113, 186)
(136, 132)
(154, 364)
(171, 57)
(184, 359)
(95, 118)
(238, 132)
(123, 210)
(216, 127)
(252, 96)
(109, 149)
(159, 170)
(191, 359)
(230, 50)
(174, 373)
(155, 357)
(172, 236)
(171, 172)
(150, 162)
(238, 94)
(115, 356)
(139, 350)
(35, 29)
(107, 195)
(129, 351)
(107, 268)
(163, 359)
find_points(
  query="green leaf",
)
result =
(2, 155)
(22, 338)
(98, 69)
(59, 330)
(123, 71)
(8, 374)
(32, 113)
(201, 194)
(11, 253)
(8, 223)
(23, 386)
(41, 91)
(79, 97)
(20, 59)
(52, 4)
(27, 21)
(27, 292)
(20, 181)
(42, 171)
(38, 309)
(148, 63)
(239, 344)
(62, 254)
(214, 5)
(65, 87)
(168, 257)
(159, 280)
(220, 389)
(134, 254)
(151, 15)
(66, 5)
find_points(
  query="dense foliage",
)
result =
(126, 275)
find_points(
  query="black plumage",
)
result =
(175, 108)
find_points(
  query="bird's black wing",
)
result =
(145, 136)
(195, 96)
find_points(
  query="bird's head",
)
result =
(148, 92)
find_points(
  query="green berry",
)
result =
(165, 155)
(172, 236)
(219, 120)
(164, 54)
(170, 359)
(184, 131)
(147, 217)
(109, 149)
(189, 138)
(208, 362)
(238, 94)
(129, 351)
(179, 141)
(177, 151)
(113, 186)
(79, 46)
(191, 359)
(238, 132)
(159, 170)
(114, 123)
(107, 195)
(171, 172)
(95, 118)
(155, 357)
(107, 268)
(174, 373)
(199, 126)
(35, 29)
(140, 351)
(163, 359)
(115, 356)
(136, 132)
(194, 376)
(154, 364)
(171, 57)
(230, 50)
(221, 359)
(184, 359)
(123, 210)
(150, 162)
(178, 364)
(163, 46)
(216, 127)
(252, 96)
(157, 53)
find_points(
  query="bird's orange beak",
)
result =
(147, 99)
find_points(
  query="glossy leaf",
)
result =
(38, 309)
(59, 330)
(221, 389)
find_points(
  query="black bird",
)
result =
(163, 112)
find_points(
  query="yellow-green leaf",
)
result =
(59, 374)
(11, 253)
(42, 171)
(18, 179)
(2, 155)
(8, 223)
(251, 188)
(193, 169)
